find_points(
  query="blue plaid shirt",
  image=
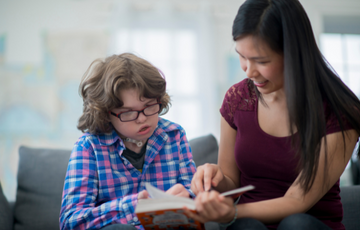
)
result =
(101, 186)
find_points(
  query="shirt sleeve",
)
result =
(238, 97)
(227, 109)
(332, 122)
(186, 163)
(79, 208)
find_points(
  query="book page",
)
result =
(156, 193)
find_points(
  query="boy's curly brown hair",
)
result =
(104, 79)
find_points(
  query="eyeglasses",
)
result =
(134, 114)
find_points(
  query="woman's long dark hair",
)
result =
(308, 79)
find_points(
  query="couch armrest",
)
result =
(355, 170)
(40, 178)
(350, 198)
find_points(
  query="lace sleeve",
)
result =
(332, 122)
(238, 97)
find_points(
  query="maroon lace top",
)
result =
(269, 162)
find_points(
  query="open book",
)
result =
(164, 211)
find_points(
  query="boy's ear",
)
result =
(111, 125)
(109, 116)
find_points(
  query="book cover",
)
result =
(164, 211)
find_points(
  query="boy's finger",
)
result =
(173, 190)
(143, 195)
(183, 193)
(177, 190)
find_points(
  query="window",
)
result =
(342, 51)
(174, 52)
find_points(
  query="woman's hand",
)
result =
(211, 206)
(178, 190)
(206, 175)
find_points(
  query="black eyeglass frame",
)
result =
(138, 111)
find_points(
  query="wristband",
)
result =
(233, 220)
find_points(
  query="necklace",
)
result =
(138, 143)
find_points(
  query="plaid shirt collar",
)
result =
(109, 138)
(159, 135)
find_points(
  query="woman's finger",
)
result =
(210, 205)
(194, 216)
(217, 178)
(211, 208)
(199, 179)
(209, 172)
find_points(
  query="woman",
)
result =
(289, 129)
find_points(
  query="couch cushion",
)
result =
(350, 198)
(204, 149)
(6, 216)
(41, 176)
(355, 170)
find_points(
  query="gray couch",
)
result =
(41, 177)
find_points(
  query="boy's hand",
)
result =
(178, 190)
(143, 195)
